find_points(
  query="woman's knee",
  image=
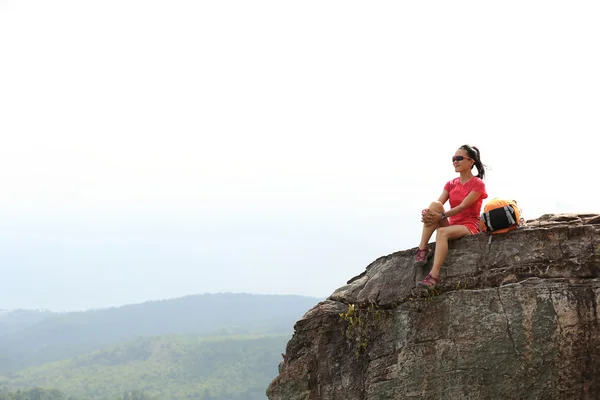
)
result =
(436, 206)
(442, 233)
(451, 232)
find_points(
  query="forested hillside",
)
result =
(168, 367)
(203, 347)
(53, 394)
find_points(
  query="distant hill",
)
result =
(12, 321)
(43, 338)
(166, 367)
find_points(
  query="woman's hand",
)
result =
(429, 217)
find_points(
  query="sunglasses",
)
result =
(459, 158)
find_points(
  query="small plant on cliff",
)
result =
(361, 324)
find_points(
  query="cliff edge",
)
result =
(515, 317)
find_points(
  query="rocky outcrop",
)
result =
(515, 317)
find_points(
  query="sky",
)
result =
(156, 149)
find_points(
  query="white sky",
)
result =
(153, 149)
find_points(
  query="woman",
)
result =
(466, 194)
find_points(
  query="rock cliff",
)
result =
(514, 318)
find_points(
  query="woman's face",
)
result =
(461, 161)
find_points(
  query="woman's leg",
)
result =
(441, 245)
(438, 207)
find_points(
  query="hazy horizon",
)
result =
(155, 150)
(157, 300)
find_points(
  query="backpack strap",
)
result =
(509, 215)
(488, 221)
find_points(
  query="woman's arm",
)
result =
(444, 197)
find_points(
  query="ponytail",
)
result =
(474, 154)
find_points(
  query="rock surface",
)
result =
(514, 318)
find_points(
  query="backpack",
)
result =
(500, 216)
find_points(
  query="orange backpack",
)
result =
(500, 216)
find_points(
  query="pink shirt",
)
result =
(457, 192)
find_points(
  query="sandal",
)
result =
(423, 255)
(430, 282)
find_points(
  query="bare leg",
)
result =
(441, 245)
(436, 206)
